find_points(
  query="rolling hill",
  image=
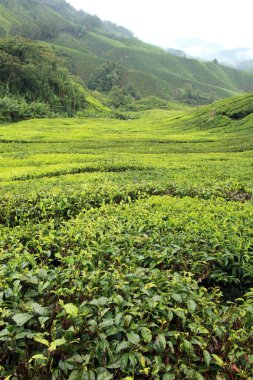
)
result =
(88, 42)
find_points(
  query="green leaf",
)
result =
(102, 301)
(187, 346)
(43, 320)
(146, 334)
(169, 316)
(118, 299)
(4, 332)
(22, 318)
(37, 357)
(169, 376)
(160, 343)
(56, 343)
(218, 360)
(180, 313)
(176, 297)
(71, 309)
(207, 358)
(114, 365)
(106, 323)
(122, 346)
(191, 305)
(118, 318)
(133, 338)
(8, 377)
(41, 310)
(41, 340)
(75, 375)
(104, 375)
(124, 361)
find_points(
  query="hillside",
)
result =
(35, 83)
(89, 42)
(232, 113)
(126, 246)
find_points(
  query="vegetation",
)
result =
(105, 77)
(128, 255)
(34, 83)
(89, 42)
(126, 247)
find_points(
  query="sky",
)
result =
(199, 27)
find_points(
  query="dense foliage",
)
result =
(105, 77)
(128, 255)
(34, 83)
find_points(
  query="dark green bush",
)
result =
(15, 109)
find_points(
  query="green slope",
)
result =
(151, 70)
(88, 42)
(34, 82)
(230, 115)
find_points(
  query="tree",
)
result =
(105, 77)
(35, 72)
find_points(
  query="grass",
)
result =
(126, 246)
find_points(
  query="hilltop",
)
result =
(88, 42)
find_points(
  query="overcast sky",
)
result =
(181, 24)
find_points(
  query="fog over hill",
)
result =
(209, 30)
(88, 43)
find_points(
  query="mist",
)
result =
(199, 28)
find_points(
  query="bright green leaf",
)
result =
(38, 357)
(41, 340)
(71, 309)
(218, 360)
(56, 343)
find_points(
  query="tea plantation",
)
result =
(126, 247)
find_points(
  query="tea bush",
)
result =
(126, 247)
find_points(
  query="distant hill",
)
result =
(246, 65)
(176, 52)
(234, 56)
(88, 42)
(239, 58)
